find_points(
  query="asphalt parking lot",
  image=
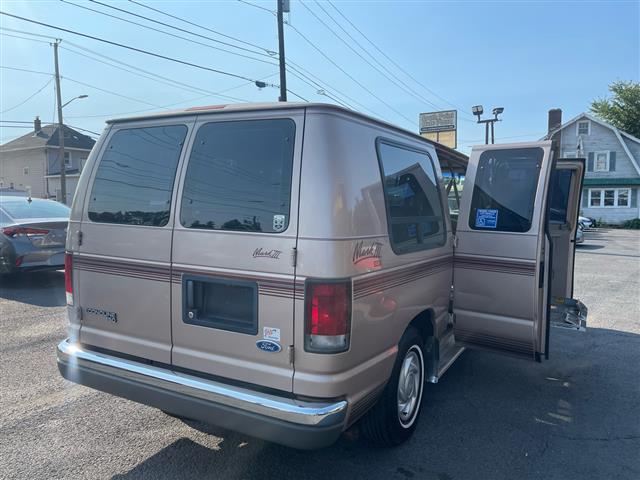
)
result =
(576, 415)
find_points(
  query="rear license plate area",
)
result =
(220, 303)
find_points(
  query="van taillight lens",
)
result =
(327, 316)
(68, 277)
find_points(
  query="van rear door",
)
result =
(503, 262)
(233, 278)
(122, 264)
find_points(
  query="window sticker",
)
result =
(486, 218)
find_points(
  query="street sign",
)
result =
(440, 127)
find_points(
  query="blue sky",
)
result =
(527, 56)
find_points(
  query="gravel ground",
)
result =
(576, 415)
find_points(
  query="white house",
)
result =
(31, 163)
(612, 178)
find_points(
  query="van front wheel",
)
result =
(394, 418)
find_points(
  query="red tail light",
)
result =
(68, 277)
(327, 316)
(15, 231)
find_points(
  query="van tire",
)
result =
(384, 424)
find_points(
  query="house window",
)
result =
(610, 197)
(25, 170)
(601, 163)
(623, 198)
(67, 159)
(584, 128)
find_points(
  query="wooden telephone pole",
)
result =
(63, 177)
(283, 6)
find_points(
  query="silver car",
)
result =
(32, 234)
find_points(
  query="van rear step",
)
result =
(569, 313)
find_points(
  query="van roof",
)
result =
(451, 154)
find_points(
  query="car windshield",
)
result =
(23, 208)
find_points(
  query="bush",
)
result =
(633, 224)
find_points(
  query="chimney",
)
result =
(37, 125)
(554, 133)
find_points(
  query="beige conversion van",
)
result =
(286, 270)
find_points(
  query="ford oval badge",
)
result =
(268, 346)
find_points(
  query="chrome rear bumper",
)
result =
(279, 419)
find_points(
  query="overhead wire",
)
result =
(28, 98)
(391, 77)
(399, 67)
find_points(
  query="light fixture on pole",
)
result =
(478, 110)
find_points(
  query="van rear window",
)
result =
(239, 176)
(134, 181)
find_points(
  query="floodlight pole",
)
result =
(488, 122)
(283, 71)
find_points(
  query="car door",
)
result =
(233, 269)
(122, 262)
(500, 284)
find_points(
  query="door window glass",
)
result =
(134, 182)
(505, 190)
(239, 176)
(414, 209)
(559, 187)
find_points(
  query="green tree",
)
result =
(623, 110)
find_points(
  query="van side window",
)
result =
(239, 176)
(414, 209)
(134, 181)
(505, 190)
(559, 189)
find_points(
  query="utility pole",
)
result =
(63, 178)
(283, 6)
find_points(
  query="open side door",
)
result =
(500, 272)
(561, 228)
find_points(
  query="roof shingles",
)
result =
(48, 137)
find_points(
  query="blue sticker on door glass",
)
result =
(486, 218)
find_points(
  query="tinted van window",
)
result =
(239, 176)
(505, 190)
(134, 181)
(414, 209)
(559, 187)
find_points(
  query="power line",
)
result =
(25, 38)
(270, 52)
(462, 111)
(390, 77)
(164, 32)
(257, 6)
(150, 75)
(129, 47)
(28, 98)
(315, 47)
(174, 27)
(25, 70)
